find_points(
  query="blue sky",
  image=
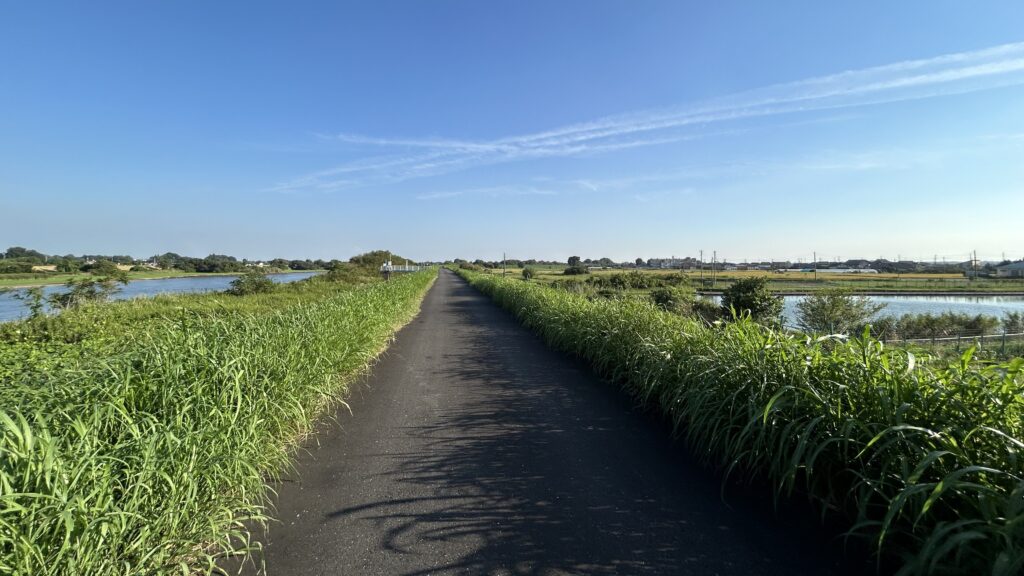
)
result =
(540, 129)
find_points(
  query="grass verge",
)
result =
(923, 458)
(139, 437)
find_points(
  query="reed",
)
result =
(139, 438)
(922, 457)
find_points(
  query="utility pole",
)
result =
(714, 259)
(702, 269)
(815, 266)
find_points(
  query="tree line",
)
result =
(17, 259)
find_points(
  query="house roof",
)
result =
(1013, 266)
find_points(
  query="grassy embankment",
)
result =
(922, 458)
(138, 437)
(29, 279)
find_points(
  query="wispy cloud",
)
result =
(913, 79)
(491, 191)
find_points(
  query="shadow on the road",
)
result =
(539, 471)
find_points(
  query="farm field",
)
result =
(935, 483)
(803, 282)
(137, 437)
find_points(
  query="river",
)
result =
(11, 308)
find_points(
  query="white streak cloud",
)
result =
(908, 80)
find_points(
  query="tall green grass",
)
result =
(926, 459)
(139, 438)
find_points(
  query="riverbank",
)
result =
(161, 420)
(55, 279)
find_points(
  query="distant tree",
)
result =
(377, 258)
(17, 252)
(639, 262)
(528, 273)
(576, 269)
(835, 311)
(752, 295)
(101, 268)
(574, 261)
(606, 262)
(219, 263)
(301, 265)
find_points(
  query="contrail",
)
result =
(948, 74)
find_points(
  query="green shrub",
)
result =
(670, 300)
(576, 269)
(349, 274)
(528, 273)
(87, 290)
(834, 311)
(752, 296)
(15, 267)
(254, 281)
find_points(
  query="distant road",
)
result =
(476, 450)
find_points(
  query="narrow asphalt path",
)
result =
(473, 449)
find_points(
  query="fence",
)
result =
(963, 335)
(402, 268)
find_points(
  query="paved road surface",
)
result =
(473, 449)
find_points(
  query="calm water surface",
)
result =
(997, 306)
(12, 308)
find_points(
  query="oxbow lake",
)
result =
(12, 308)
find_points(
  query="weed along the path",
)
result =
(921, 456)
(138, 438)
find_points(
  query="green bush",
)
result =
(15, 267)
(576, 269)
(528, 273)
(670, 300)
(254, 281)
(752, 296)
(349, 274)
(834, 311)
(922, 458)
